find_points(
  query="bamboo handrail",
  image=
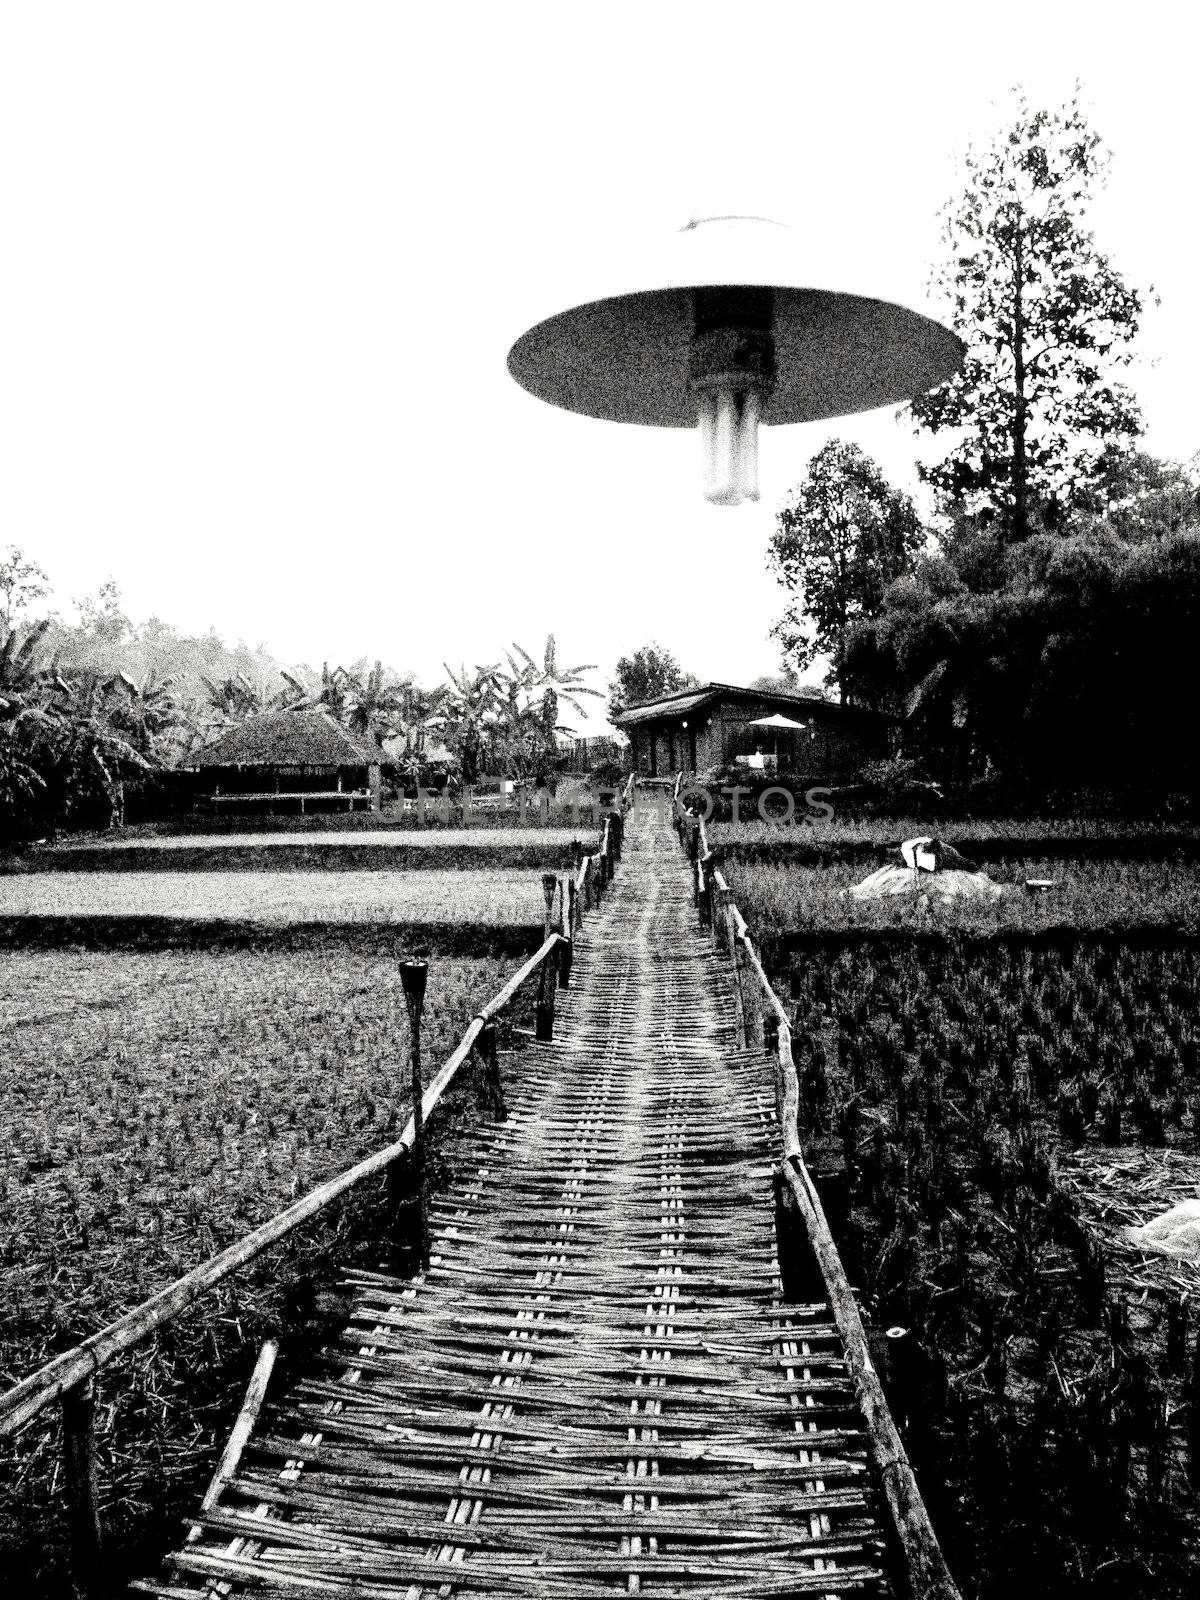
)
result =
(928, 1575)
(65, 1372)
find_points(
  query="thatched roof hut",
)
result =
(292, 755)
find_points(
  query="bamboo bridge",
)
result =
(632, 1362)
(597, 1386)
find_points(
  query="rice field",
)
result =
(155, 1106)
(494, 897)
(1110, 837)
(779, 898)
(295, 850)
(415, 840)
(960, 1095)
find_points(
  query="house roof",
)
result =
(289, 739)
(686, 700)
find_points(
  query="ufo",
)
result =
(732, 337)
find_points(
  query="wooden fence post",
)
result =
(489, 1053)
(566, 948)
(739, 995)
(544, 1029)
(413, 974)
(549, 885)
(85, 1540)
(718, 897)
(752, 1013)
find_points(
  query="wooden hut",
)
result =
(290, 758)
(714, 726)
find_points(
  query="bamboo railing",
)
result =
(69, 1379)
(763, 1021)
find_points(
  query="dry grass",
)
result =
(1126, 1187)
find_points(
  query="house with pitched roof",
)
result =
(720, 725)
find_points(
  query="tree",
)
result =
(101, 616)
(840, 539)
(542, 688)
(1150, 499)
(470, 715)
(21, 582)
(93, 755)
(26, 724)
(647, 674)
(148, 715)
(1047, 322)
(1051, 678)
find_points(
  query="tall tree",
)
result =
(1048, 322)
(647, 674)
(840, 539)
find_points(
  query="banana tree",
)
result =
(92, 757)
(27, 725)
(472, 716)
(536, 692)
(236, 699)
(148, 714)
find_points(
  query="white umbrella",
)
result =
(776, 720)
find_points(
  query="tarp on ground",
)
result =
(1175, 1233)
(927, 865)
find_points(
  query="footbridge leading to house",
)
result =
(597, 1386)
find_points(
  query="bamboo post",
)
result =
(544, 1027)
(692, 824)
(84, 1537)
(720, 914)
(413, 974)
(739, 996)
(549, 886)
(751, 1001)
(566, 948)
(489, 1054)
(573, 917)
(770, 1033)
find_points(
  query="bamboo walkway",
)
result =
(596, 1388)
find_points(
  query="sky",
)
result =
(263, 262)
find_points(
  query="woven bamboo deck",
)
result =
(596, 1388)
